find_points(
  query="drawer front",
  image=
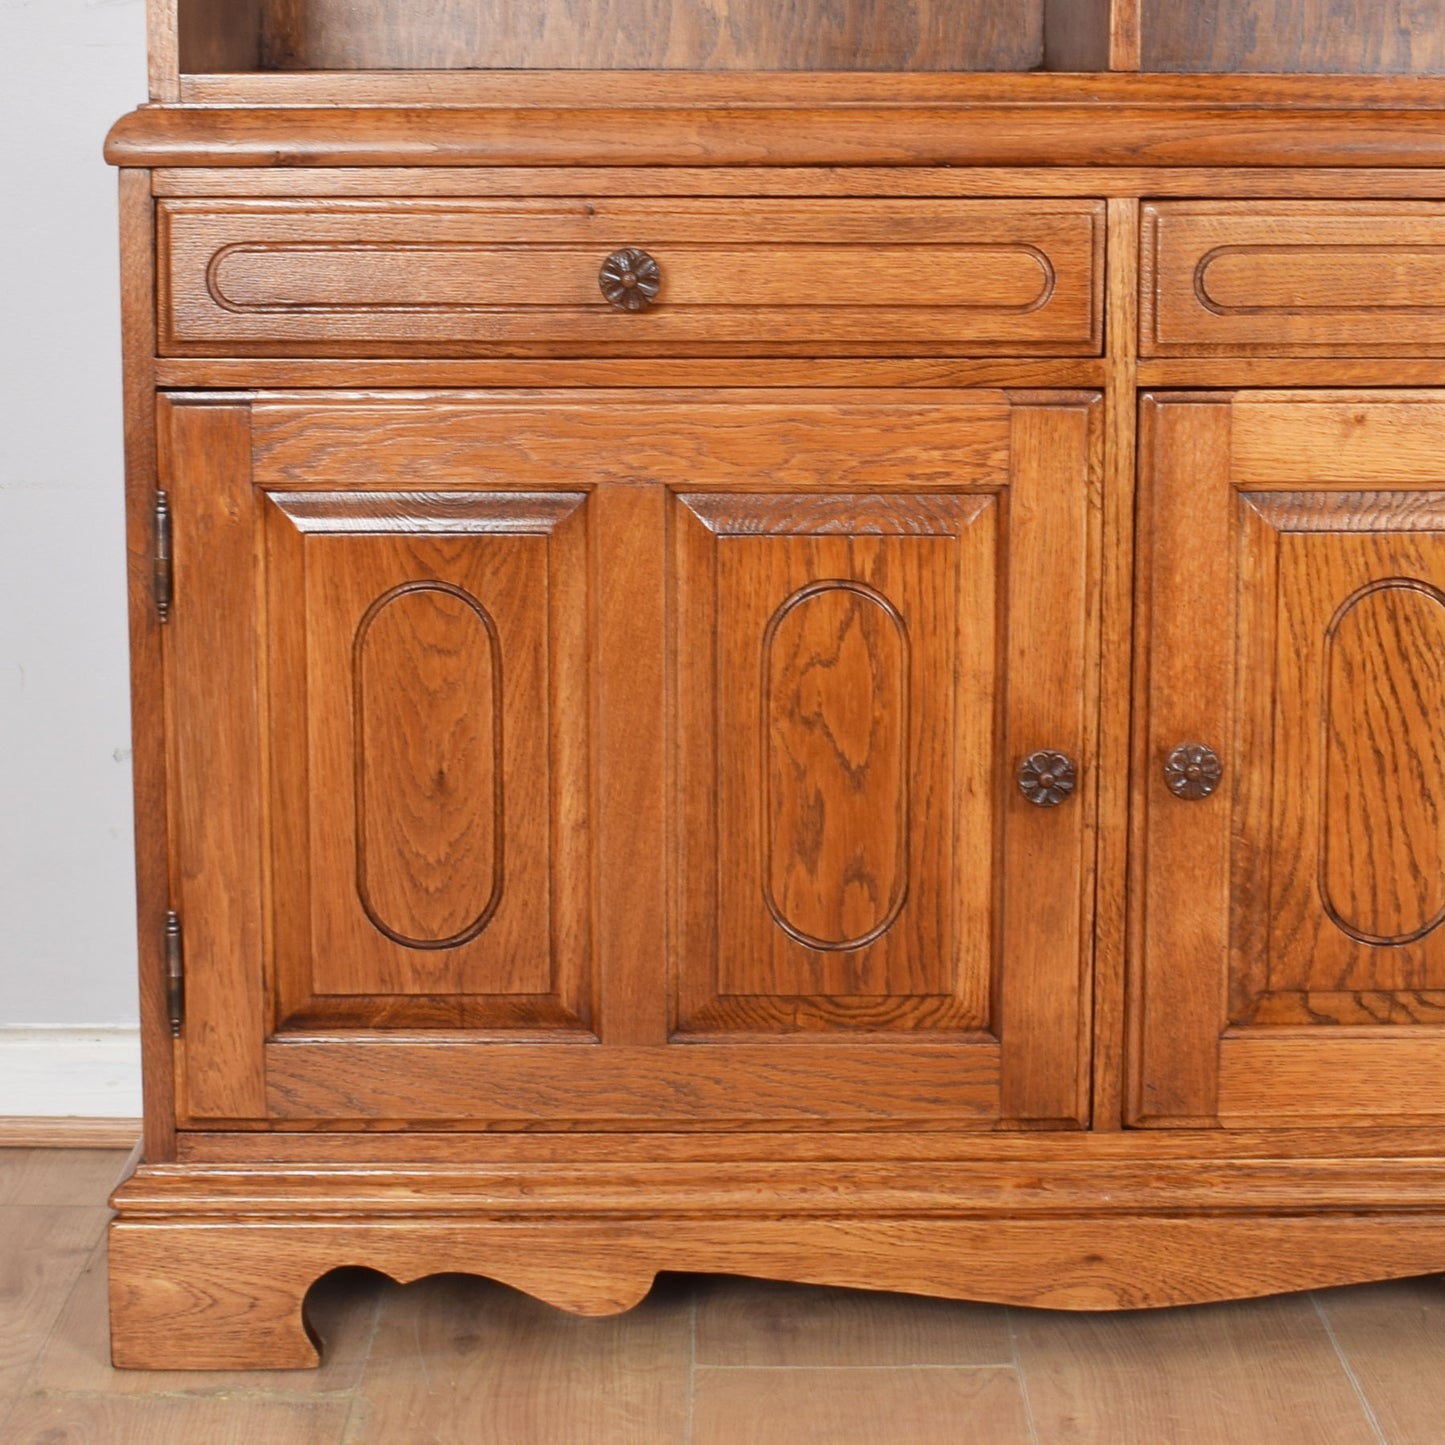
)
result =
(484, 277)
(1294, 279)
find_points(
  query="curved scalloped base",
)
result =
(210, 1294)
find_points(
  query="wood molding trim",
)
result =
(210, 1293)
(40, 1132)
(960, 133)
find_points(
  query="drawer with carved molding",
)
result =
(618, 277)
(1293, 278)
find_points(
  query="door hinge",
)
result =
(175, 974)
(164, 570)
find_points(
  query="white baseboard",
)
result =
(70, 1072)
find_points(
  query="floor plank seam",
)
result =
(1349, 1370)
(1021, 1376)
(691, 1363)
(354, 1418)
(851, 1369)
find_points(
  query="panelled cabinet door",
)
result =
(612, 760)
(1291, 962)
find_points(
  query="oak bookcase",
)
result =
(786, 640)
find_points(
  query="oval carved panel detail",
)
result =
(1382, 854)
(428, 765)
(835, 765)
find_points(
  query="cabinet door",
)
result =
(636, 759)
(1291, 959)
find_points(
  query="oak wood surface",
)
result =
(219, 35)
(213, 659)
(349, 277)
(1306, 531)
(1302, 278)
(245, 1308)
(163, 49)
(1010, 182)
(149, 782)
(1347, 36)
(650, 90)
(877, 35)
(1116, 591)
(347, 555)
(430, 1145)
(1049, 132)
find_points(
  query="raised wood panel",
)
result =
(430, 776)
(1300, 632)
(694, 35)
(1294, 278)
(383, 275)
(1395, 37)
(837, 658)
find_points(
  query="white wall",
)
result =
(67, 950)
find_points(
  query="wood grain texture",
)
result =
(49, 1131)
(219, 35)
(425, 1145)
(1392, 37)
(1378, 1331)
(1183, 683)
(1091, 35)
(990, 182)
(732, 439)
(48, 1249)
(640, 1086)
(241, 1307)
(213, 677)
(661, 89)
(1128, 1377)
(769, 823)
(1205, 133)
(1325, 600)
(1349, 278)
(779, 1406)
(147, 668)
(163, 49)
(1116, 594)
(429, 784)
(1051, 700)
(337, 277)
(967, 1179)
(699, 35)
(751, 1323)
(623, 1379)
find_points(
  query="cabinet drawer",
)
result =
(365, 278)
(1294, 279)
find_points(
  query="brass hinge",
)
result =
(175, 974)
(164, 571)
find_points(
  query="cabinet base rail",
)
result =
(210, 1267)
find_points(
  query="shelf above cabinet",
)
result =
(290, 38)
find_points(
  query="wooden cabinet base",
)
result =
(210, 1266)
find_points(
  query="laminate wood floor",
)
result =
(705, 1361)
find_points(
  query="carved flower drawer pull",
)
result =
(1192, 771)
(630, 279)
(1046, 778)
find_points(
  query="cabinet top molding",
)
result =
(1033, 120)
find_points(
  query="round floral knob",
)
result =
(630, 279)
(1046, 778)
(1192, 771)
